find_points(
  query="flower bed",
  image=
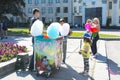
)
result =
(9, 50)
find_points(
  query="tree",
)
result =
(13, 7)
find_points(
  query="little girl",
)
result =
(88, 24)
(85, 51)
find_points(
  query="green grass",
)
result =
(25, 31)
(80, 34)
(18, 30)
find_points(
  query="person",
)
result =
(4, 30)
(95, 36)
(88, 24)
(62, 21)
(36, 13)
(88, 27)
(85, 51)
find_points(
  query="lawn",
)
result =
(80, 34)
(25, 31)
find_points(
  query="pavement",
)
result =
(72, 68)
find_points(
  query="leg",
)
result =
(94, 45)
(31, 66)
(64, 50)
(6, 34)
(2, 37)
(86, 65)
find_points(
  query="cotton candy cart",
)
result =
(47, 55)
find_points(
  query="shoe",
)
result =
(84, 73)
(63, 62)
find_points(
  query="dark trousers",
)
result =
(31, 66)
(86, 64)
(94, 44)
(64, 49)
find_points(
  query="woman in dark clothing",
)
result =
(95, 35)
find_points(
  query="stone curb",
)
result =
(5, 68)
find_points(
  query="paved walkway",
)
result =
(73, 66)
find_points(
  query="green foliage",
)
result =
(13, 7)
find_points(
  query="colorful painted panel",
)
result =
(48, 53)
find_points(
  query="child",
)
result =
(88, 25)
(85, 51)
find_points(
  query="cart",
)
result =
(48, 55)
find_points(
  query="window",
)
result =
(119, 19)
(119, 4)
(23, 10)
(50, 10)
(93, 2)
(75, 0)
(50, 1)
(80, 9)
(110, 5)
(36, 1)
(29, 1)
(65, 10)
(43, 10)
(80, 1)
(58, 10)
(66, 19)
(65, 1)
(43, 1)
(75, 9)
(30, 10)
(57, 1)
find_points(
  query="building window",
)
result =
(50, 1)
(66, 19)
(110, 5)
(75, 9)
(50, 10)
(58, 10)
(43, 1)
(65, 10)
(119, 4)
(30, 10)
(36, 1)
(29, 1)
(80, 9)
(43, 10)
(57, 1)
(75, 0)
(65, 1)
(23, 10)
(93, 2)
(80, 1)
(119, 19)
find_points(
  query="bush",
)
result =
(108, 22)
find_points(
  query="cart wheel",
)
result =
(48, 74)
(58, 68)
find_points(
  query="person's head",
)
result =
(86, 38)
(36, 12)
(96, 21)
(89, 21)
(62, 21)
